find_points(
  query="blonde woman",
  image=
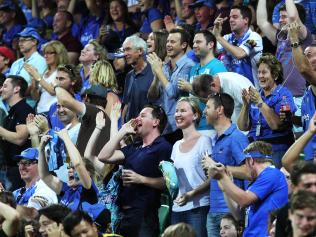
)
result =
(102, 73)
(55, 54)
(192, 203)
(90, 54)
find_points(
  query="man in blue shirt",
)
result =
(267, 193)
(138, 80)
(167, 75)
(227, 146)
(29, 39)
(204, 45)
(305, 63)
(243, 47)
(142, 181)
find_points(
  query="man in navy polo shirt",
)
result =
(267, 193)
(142, 181)
(227, 147)
(138, 80)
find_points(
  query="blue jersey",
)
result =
(274, 101)
(271, 196)
(308, 110)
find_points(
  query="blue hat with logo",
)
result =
(7, 6)
(200, 3)
(30, 32)
(28, 154)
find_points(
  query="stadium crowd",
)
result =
(147, 118)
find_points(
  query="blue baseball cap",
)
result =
(28, 154)
(200, 3)
(30, 32)
(7, 6)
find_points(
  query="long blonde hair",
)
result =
(59, 49)
(102, 73)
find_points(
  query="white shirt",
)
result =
(42, 197)
(232, 83)
(190, 173)
(46, 99)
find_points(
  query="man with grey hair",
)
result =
(138, 80)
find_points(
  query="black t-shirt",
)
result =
(17, 115)
(87, 127)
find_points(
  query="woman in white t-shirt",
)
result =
(192, 203)
(42, 91)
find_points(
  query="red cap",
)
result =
(8, 53)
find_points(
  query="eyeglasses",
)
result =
(27, 163)
(49, 52)
(22, 40)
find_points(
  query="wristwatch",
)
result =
(295, 44)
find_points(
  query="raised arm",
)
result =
(67, 100)
(293, 16)
(89, 152)
(156, 65)
(51, 181)
(243, 121)
(301, 62)
(33, 130)
(76, 159)
(35, 11)
(293, 153)
(262, 20)
(11, 220)
(236, 51)
(109, 153)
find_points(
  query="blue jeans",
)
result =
(195, 217)
(214, 223)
